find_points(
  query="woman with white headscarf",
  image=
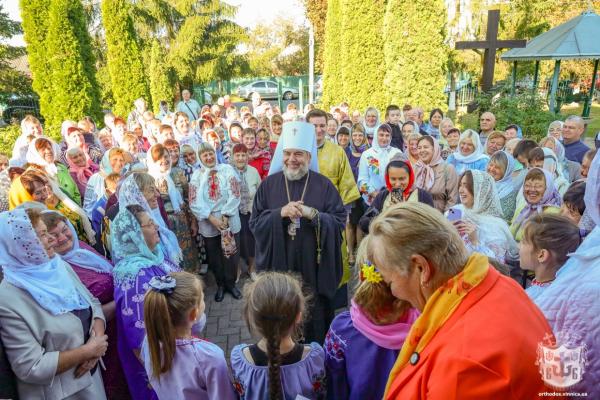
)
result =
(371, 123)
(470, 155)
(51, 327)
(372, 164)
(551, 165)
(555, 129)
(503, 168)
(139, 189)
(571, 169)
(173, 189)
(481, 225)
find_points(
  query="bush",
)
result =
(525, 109)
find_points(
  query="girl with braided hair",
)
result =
(277, 367)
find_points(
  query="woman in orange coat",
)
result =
(478, 333)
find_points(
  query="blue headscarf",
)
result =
(508, 184)
(26, 265)
(129, 248)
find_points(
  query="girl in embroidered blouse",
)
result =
(362, 344)
(178, 364)
(547, 242)
(277, 367)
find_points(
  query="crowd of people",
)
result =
(451, 257)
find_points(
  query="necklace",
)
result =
(295, 225)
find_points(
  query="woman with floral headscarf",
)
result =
(481, 226)
(470, 154)
(80, 168)
(399, 187)
(137, 247)
(173, 188)
(51, 327)
(540, 196)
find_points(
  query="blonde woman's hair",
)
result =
(415, 228)
(163, 313)
(376, 299)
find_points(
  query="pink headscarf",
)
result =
(424, 173)
(82, 173)
(390, 336)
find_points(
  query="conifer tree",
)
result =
(73, 88)
(415, 53)
(333, 60)
(161, 87)
(362, 60)
(124, 56)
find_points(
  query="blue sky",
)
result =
(250, 12)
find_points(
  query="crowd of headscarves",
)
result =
(86, 223)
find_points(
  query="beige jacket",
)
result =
(445, 187)
(33, 338)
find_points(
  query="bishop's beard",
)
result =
(295, 175)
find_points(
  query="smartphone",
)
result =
(454, 214)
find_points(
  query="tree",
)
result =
(333, 83)
(161, 87)
(200, 37)
(12, 81)
(316, 12)
(415, 53)
(280, 48)
(124, 57)
(35, 27)
(74, 89)
(363, 67)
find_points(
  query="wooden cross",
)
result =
(490, 44)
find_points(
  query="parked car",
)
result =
(267, 90)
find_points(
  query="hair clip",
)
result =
(369, 273)
(163, 284)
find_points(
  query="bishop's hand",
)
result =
(292, 210)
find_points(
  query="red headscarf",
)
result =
(411, 178)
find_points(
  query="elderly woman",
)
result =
(31, 128)
(399, 187)
(552, 165)
(173, 189)
(454, 350)
(80, 168)
(371, 122)
(435, 119)
(75, 139)
(571, 169)
(445, 127)
(412, 147)
(481, 225)
(434, 175)
(42, 155)
(540, 196)
(503, 169)
(136, 244)
(34, 185)
(371, 168)
(555, 129)
(470, 154)
(215, 201)
(495, 142)
(409, 128)
(51, 326)
(112, 161)
(95, 272)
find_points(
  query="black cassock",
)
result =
(277, 251)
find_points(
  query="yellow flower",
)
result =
(370, 274)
